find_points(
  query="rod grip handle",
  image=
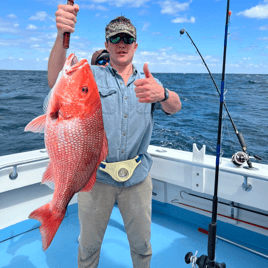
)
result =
(242, 141)
(212, 241)
(66, 35)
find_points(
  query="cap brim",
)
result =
(102, 56)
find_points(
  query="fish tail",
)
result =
(50, 222)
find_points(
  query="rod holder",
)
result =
(246, 185)
(14, 175)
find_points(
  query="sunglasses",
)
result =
(102, 62)
(127, 39)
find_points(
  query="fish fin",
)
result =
(50, 223)
(46, 101)
(104, 150)
(89, 186)
(48, 177)
(37, 124)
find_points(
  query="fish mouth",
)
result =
(72, 64)
(74, 60)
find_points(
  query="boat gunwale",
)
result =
(236, 170)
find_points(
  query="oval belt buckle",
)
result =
(122, 173)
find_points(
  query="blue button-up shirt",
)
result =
(127, 122)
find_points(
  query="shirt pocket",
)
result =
(108, 100)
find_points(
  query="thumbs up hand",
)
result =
(147, 89)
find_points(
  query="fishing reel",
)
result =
(202, 261)
(240, 158)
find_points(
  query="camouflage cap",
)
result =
(120, 25)
(99, 54)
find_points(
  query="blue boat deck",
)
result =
(171, 239)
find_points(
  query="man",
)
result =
(128, 101)
(100, 58)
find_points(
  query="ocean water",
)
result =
(22, 94)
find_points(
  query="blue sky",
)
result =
(28, 31)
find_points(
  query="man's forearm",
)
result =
(56, 61)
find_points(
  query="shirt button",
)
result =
(125, 116)
(125, 98)
(123, 151)
(124, 133)
(121, 83)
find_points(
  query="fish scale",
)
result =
(75, 141)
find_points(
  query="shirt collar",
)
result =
(114, 71)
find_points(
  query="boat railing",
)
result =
(14, 174)
(237, 171)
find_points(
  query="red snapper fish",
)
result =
(75, 141)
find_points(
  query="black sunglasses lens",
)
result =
(115, 39)
(127, 39)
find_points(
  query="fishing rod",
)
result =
(237, 158)
(209, 261)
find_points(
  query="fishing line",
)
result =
(238, 134)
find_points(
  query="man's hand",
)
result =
(147, 89)
(66, 18)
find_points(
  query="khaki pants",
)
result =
(95, 208)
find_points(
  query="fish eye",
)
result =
(85, 90)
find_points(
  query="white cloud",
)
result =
(147, 53)
(31, 27)
(4, 43)
(145, 26)
(12, 16)
(257, 12)
(263, 28)
(184, 20)
(7, 30)
(35, 39)
(41, 16)
(7, 27)
(117, 3)
(94, 7)
(173, 7)
(166, 49)
(234, 65)
(51, 36)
